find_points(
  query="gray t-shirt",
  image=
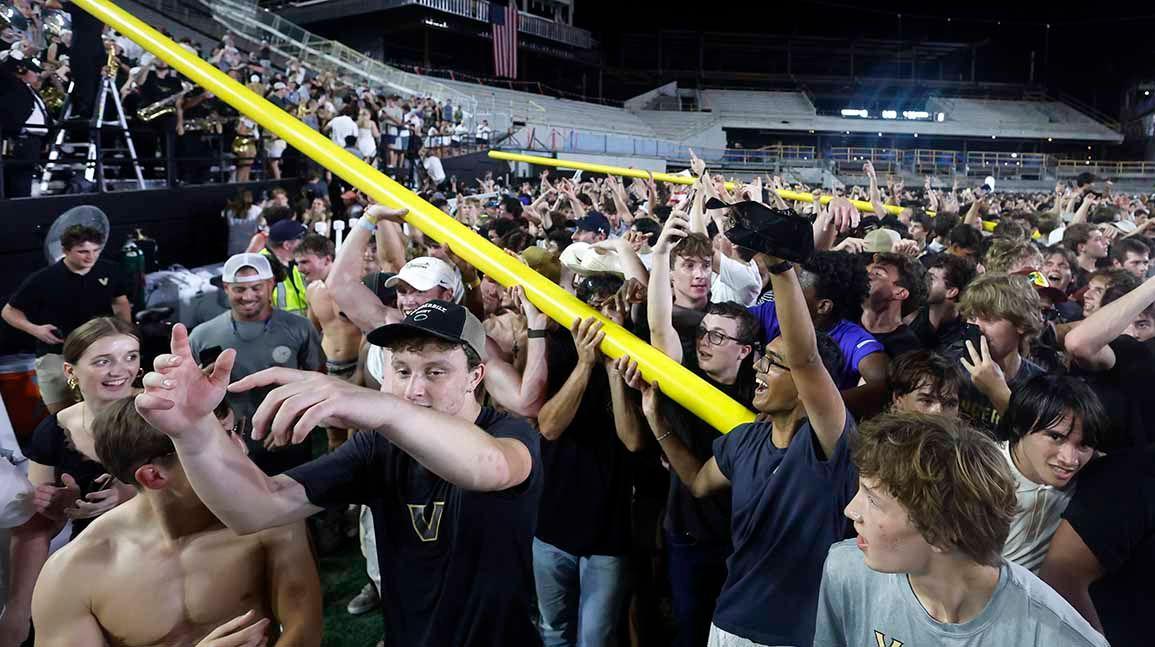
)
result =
(859, 607)
(284, 339)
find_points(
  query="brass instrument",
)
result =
(209, 125)
(53, 97)
(245, 148)
(164, 107)
(112, 64)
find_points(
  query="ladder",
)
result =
(94, 165)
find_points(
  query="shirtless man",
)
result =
(161, 569)
(340, 338)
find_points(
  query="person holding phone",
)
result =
(1003, 315)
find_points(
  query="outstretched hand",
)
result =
(177, 393)
(307, 399)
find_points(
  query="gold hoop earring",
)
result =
(74, 383)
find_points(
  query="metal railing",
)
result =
(247, 19)
(555, 140)
(1025, 166)
(479, 10)
(1066, 168)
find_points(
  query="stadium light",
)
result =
(855, 112)
(1014, 155)
(916, 114)
(1146, 93)
(940, 116)
(916, 134)
(890, 114)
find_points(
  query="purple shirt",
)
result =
(854, 341)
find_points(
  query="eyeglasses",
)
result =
(716, 338)
(764, 364)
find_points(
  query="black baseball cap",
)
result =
(439, 319)
(595, 222)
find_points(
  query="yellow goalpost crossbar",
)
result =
(677, 382)
(605, 169)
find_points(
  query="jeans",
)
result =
(581, 599)
(697, 573)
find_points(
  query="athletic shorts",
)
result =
(343, 370)
(276, 149)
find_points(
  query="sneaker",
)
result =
(366, 601)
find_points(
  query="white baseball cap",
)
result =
(426, 273)
(238, 262)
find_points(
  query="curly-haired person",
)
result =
(835, 286)
(934, 506)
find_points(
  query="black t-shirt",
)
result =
(1125, 391)
(948, 333)
(1113, 512)
(898, 341)
(706, 519)
(56, 295)
(585, 504)
(456, 565)
(51, 446)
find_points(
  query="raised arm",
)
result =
(701, 478)
(522, 393)
(449, 446)
(358, 302)
(660, 301)
(179, 400)
(875, 194)
(557, 414)
(974, 214)
(628, 418)
(819, 394)
(1088, 343)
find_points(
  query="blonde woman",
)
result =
(367, 135)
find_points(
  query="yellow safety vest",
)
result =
(289, 295)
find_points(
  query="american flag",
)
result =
(503, 17)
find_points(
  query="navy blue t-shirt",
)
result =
(456, 565)
(786, 512)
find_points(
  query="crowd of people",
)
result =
(189, 129)
(952, 443)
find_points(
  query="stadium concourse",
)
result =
(336, 343)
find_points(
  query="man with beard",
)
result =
(939, 325)
(263, 337)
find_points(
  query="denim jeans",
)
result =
(581, 599)
(697, 573)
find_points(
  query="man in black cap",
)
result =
(453, 486)
(290, 293)
(24, 122)
(591, 228)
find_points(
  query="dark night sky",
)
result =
(1093, 55)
